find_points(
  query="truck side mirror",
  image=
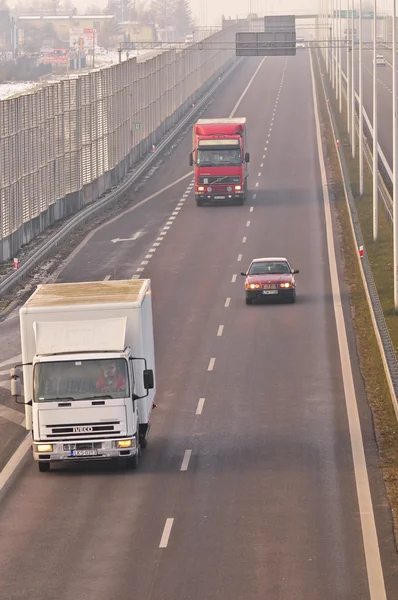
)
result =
(247, 157)
(148, 379)
(295, 271)
(16, 388)
(190, 159)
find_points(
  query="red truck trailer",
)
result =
(219, 159)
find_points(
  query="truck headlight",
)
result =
(124, 443)
(201, 188)
(238, 188)
(44, 447)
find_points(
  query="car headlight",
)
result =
(44, 448)
(253, 286)
(287, 285)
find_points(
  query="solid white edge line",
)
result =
(185, 460)
(199, 408)
(220, 330)
(12, 467)
(235, 108)
(369, 533)
(166, 533)
(211, 364)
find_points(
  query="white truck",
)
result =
(88, 370)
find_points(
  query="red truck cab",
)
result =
(220, 160)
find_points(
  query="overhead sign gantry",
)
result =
(277, 39)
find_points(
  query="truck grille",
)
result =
(83, 430)
(203, 180)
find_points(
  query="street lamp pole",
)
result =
(395, 150)
(352, 80)
(361, 151)
(375, 132)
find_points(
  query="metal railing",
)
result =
(65, 145)
(387, 350)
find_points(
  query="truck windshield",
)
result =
(81, 380)
(213, 158)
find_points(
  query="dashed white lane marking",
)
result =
(365, 507)
(144, 262)
(200, 406)
(156, 244)
(152, 250)
(233, 278)
(135, 277)
(107, 278)
(262, 164)
(254, 195)
(211, 364)
(160, 238)
(140, 269)
(244, 240)
(251, 209)
(166, 228)
(227, 302)
(166, 533)
(247, 223)
(259, 175)
(185, 460)
(220, 330)
(239, 257)
(257, 184)
(263, 155)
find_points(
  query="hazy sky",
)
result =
(210, 11)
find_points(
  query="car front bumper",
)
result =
(278, 294)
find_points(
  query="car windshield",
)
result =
(81, 380)
(269, 267)
(225, 156)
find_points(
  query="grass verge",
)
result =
(380, 255)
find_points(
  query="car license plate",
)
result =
(84, 452)
(270, 292)
(219, 197)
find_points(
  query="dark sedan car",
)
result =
(270, 277)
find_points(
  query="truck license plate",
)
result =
(270, 292)
(219, 197)
(84, 452)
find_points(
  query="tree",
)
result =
(183, 17)
(163, 12)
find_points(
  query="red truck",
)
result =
(220, 160)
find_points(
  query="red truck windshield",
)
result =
(210, 158)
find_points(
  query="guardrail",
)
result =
(382, 334)
(7, 284)
(65, 145)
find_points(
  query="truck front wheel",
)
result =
(44, 467)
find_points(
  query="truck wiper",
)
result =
(102, 397)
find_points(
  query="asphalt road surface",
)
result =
(251, 400)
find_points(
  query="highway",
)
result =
(252, 399)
